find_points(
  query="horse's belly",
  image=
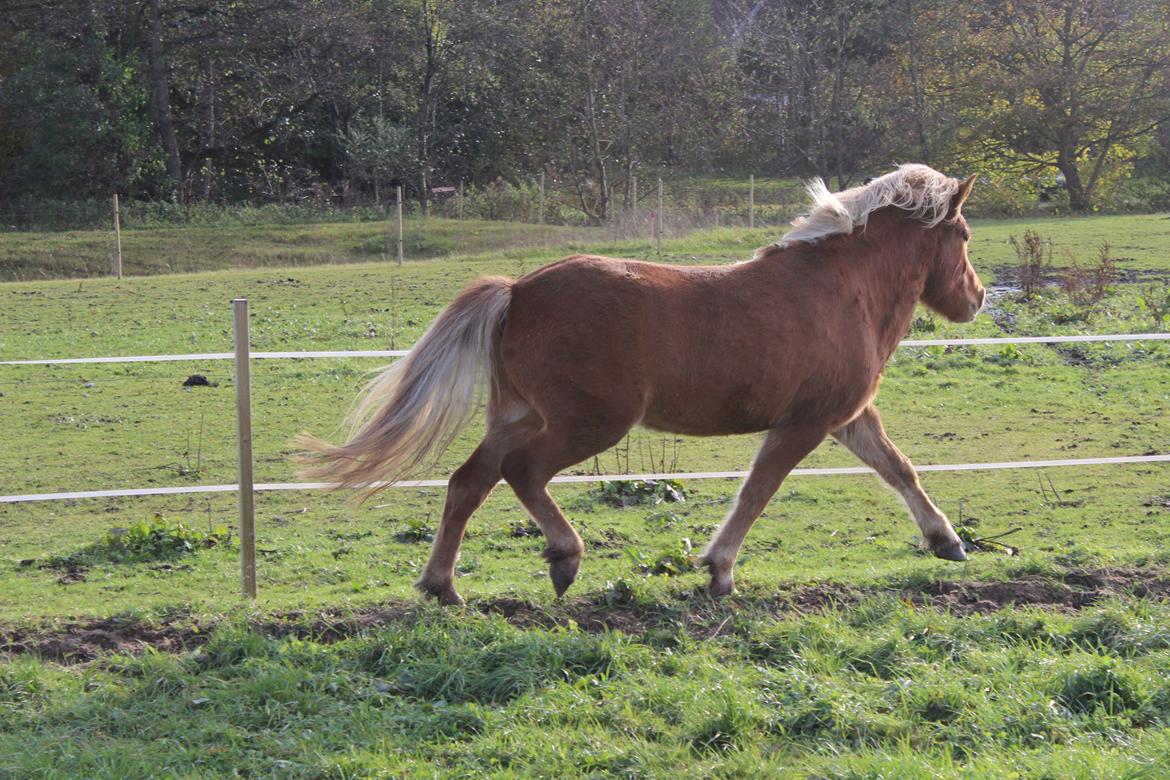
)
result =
(710, 416)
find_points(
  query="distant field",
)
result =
(887, 683)
(197, 248)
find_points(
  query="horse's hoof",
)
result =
(720, 587)
(950, 552)
(444, 593)
(563, 572)
(722, 583)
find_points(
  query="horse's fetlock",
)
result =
(563, 551)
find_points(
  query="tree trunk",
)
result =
(160, 99)
(1066, 161)
(599, 168)
(207, 163)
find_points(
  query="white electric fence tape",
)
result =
(427, 483)
(360, 353)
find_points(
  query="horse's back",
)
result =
(688, 349)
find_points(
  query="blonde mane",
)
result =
(918, 189)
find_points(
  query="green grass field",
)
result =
(846, 654)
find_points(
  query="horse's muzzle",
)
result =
(978, 307)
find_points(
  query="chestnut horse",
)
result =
(578, 352)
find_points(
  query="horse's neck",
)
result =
(883, 270)
(893, 274)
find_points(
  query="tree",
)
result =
(814, 97)
(1071, 84)
(630, 84)
(380, 151)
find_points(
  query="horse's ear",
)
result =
(960, 197)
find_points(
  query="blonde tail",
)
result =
(413, 409)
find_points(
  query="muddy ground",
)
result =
(82, 641)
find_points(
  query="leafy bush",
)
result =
(159, 538)
(1007, 357)
(670, 562)
(630, 492)
(417, 530)
(1141, 194)
(502, 201)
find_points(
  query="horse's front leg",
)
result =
(866, 438)
(783, 449)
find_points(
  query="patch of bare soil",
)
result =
(79, 642)
(694, 612)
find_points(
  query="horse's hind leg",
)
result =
(782, 450)
(528, 470)
(466, 490)
(866, 438)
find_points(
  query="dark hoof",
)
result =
(720, 587)
(445, 594)
(950, 552)
(563, 572)
(722, 583)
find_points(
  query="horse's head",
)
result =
(952, 287)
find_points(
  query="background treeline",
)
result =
(334, 103)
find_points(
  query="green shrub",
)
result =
(159, 538)
(630, 492)
(667, 563)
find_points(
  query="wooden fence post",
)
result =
(399, 193)
(461, 199)
(540, 219)
(117, 238)
(243, 383)
(751, 200)
(658, 226)
(634, 202)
